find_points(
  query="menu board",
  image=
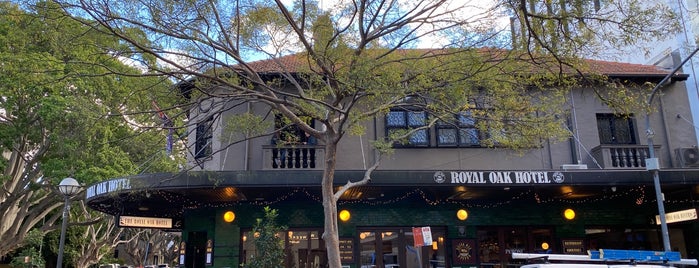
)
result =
(346, 250)
(573, 246)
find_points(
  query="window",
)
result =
(204, 135)
(616, 129)
(461, 131)
(398, 120)
(302, 247)
(288, 133)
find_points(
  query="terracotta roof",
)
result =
(290, 63)
(294, 63)
(625, 69)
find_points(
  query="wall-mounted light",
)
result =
(569, 214)
(229, 216)
(462, 214)
(545, 246)
(344, 215)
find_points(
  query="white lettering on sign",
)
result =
(500, 177)
(107, 187)
(467, 177)
(147, 222)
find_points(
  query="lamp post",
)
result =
(652, 163)
(68, 187)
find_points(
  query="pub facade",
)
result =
(441, 200)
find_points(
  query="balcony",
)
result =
(622, 156)
(293, 157)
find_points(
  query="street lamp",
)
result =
(68, 187)
(652, 163)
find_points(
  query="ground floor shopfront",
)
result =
(615, 211)
(381, 234)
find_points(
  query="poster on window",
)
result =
(463, 251)
(209, 252)
(422, 236)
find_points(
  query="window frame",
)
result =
(458, 125)
(408, 124)
(204, 135)
(612, 125)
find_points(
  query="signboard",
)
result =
(346, 250)
(106, 187)
(144, 222)
(463, 251)
(678, 216)
(485, 178)
(573, 246)
(422, 236)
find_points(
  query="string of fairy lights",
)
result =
(636, 193)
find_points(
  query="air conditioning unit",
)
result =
(689, 157)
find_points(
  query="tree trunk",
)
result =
(331, 234)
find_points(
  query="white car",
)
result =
(588, 265)
(638, 259)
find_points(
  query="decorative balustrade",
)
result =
(622, 156)
(293, 157)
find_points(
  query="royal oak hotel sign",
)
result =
(106, 187)
(499, 177)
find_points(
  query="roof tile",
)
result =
(293, 63)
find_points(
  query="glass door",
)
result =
(395, 248)
(367, 249)
(390, 249)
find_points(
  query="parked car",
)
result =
(587, 265)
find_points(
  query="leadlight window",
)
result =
(461, 131)
(616, 129)
(398, 120)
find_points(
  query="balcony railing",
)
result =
(622, 156)
(293, 157)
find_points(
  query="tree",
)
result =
(269, 248)
(357, 60)
(148, 242)
(31, 254)
(91, 243)
(169, 251)
(64, 96)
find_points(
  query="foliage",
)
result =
(269, 247)
(30, 252)
(28, 257)
(346, 65)
(247, 124)
(68, 106)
